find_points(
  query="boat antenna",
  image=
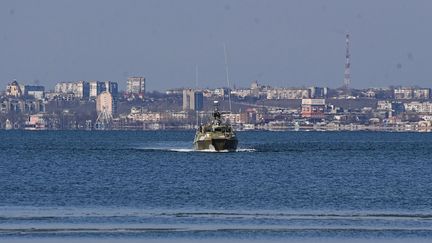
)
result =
(196, 88)
(227, 75)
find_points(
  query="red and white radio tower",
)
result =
(347, 77)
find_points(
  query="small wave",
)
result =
(207, 228)
(306, 216)
(246, 150)
(216, 215)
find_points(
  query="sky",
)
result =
(282, 43)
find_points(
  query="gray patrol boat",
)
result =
(215, 135)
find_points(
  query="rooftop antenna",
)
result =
(196, 76)
(227, 76)
(347, 74)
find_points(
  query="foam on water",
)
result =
(190, 150)
(161, 223)
(47, 213)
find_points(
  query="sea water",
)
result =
(116, 186)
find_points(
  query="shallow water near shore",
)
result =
(298, 186)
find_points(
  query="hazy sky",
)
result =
(278, 42)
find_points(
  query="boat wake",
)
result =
(190, 150)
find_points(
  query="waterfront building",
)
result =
(144, 116)
(135, 87)
(36, 122)
(193, 100)
(178, 116)
(8, 124)
(313, 108)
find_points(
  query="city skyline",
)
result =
(283, 44)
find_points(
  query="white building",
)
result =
(288, 93)
(233, 118)
(95, 88)
(146, 116)
(64, 87)
(419, 107)
(80, 89)
(411, 93)
(136, 86)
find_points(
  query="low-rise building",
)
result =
(145, 116)
(407, 93)
(36, 122)
(233, 118)
(419, 107)
(288, 93)
(313, 108)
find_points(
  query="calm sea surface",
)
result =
(301, 186)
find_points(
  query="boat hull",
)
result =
(217, 144)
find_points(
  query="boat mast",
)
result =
(196, 88)
(227, 76)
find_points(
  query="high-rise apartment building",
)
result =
(136, 87)
(36, 91)
(95, 88)
(193, 100)
(111, 87)
(81, 90)
(64, 87)
(87, 90)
